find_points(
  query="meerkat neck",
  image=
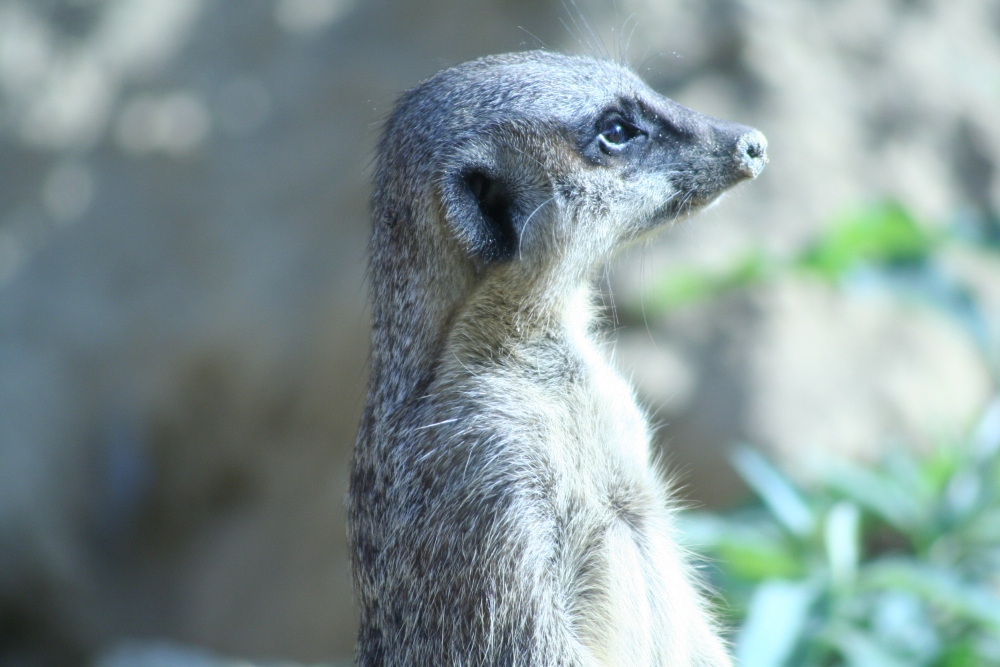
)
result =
(418, 295)
(538, 298)
(504, 311)
(415, 293)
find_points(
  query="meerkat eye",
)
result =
(615, 133)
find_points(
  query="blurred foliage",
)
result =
(884, 235)
(690, 285)
(897, 565)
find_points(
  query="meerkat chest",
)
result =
(561, 398)
(604, 422)
(561, 407)
(612, 504)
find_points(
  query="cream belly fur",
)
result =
(626, 578)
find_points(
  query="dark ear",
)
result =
(482, 207)
(497, 234)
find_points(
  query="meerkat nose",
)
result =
(751, 153)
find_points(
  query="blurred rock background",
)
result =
(183, 334)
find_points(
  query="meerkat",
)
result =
(504, 505)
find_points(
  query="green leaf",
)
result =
(984, 529)
(840, 534)
(777, 492)
(962, 654)
(775, 622)
(744, 550)
(862, 650)
(758, 560)
(682, 287)
(939, 466)
(880, 494)
(939, 587)
(986, 436)
(882, 234)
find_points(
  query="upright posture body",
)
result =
(504, 509)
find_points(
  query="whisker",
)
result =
(446, 421)
(524, 229)
(533, 36)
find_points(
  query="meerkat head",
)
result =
(524, 166)
(534, 157)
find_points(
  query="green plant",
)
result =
(882, 235)
(895, 566)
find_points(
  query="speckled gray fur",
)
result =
(504, 508)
